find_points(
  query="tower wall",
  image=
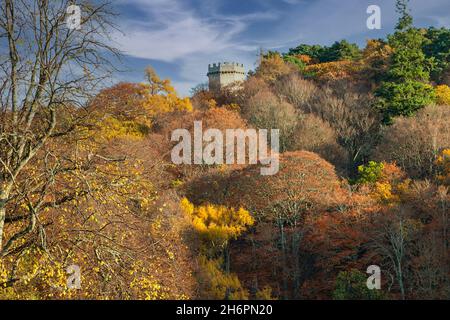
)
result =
(223, 74)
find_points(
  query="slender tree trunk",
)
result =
(284, 260)
(295, 255)
(400, 280)
(226, 255)
(2, 221)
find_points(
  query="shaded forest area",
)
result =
(86, 179)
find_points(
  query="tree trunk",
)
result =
(2, 221)
(400, 281)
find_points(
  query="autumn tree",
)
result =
(266, 111)
(443, 95)
(133, 108)
(39, 81)
(272, 66)
(217, 225)
(415, 143)
(376, 60)
(350, 113)
(443, 163)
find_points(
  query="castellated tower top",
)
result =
(224, 74)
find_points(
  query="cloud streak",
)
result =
(180, 37)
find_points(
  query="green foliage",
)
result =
(437, 48)
(406, 19)
(408, 60)
(405, 89)
(295, 61)
(404, 99)
(351, 285)
(370, 173)
(342, 50)
(313, 51)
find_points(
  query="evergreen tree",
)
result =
(437, 48)
(340, 50)
(406, 89)
(313, 51)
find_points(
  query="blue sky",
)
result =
(179, 38)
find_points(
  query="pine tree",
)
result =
(406, 89)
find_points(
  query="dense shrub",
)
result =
(443, 95)
(351, 285)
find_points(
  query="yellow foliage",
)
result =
(157, 104)
(443, 95)
(111, 128)
(162, 97)
(211, 104)
(272, 67)
(443, 163)
(148, 288)
(233, 107)
(384, 192)
(128, 109)
(265, 294)
(156, 84)
(217, 223)
(35, 270)
(217, 284)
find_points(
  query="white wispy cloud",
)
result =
(189, 34)
(176, 31)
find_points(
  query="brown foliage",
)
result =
(414, 143)
(304, 179)
(264, 110)
(353, 118)
(295, 90)
(272, 67)
(316, 135)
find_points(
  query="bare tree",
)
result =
(391, 239)
(415, 143)
(46, 69)
(351, 115)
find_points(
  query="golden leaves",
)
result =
(217, 223)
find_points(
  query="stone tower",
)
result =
(223, 74)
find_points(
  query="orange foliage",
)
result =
(443, 163)
(273, 67)
(303, 177)
(334, 70)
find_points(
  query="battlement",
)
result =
(226, 67)
(223, 74)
